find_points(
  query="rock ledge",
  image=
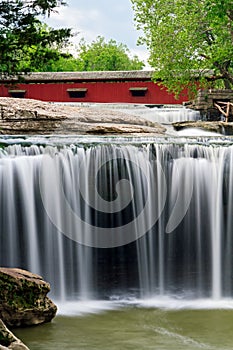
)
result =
(28, 116)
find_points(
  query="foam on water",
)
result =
(84, 307)
(170, 303)
(196, 132)
(184, 340)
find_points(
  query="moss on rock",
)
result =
(8, 340)
(23, 298)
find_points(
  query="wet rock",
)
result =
(218, 127)
(123, 129)
(23, 298)
(8, 340)
(26, 116)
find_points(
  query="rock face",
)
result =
(218, 127)
(23, 298)
(26, 116)
(8, 340)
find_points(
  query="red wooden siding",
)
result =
(94, 91)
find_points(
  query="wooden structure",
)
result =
(225, 108)
(214, 104)
(92, 87)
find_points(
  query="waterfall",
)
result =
(134, 218)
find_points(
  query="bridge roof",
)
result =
(84, 76)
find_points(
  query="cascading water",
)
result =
(139, 218)
(164, 114)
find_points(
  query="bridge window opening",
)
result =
(17, 93)
(138, 91)
(77, 92)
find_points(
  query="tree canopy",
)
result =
(99, 55)
(187, 39)
(26, 44)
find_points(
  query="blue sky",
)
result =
(108, 18)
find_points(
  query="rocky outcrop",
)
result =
(8, 340)
(26, 116)
(219, 127)
(23, 298)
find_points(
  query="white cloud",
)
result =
(110, 19)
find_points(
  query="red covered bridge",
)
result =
(98, 87)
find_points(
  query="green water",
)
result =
(135, 328)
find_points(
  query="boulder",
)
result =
(8, 340)
(23, 298)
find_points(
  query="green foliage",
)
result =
(99, 56)
(66, 63)
(26, 44)
(110, 56)
(187, 39)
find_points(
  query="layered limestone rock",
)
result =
(27, 116)
(8, 340)
(23, 298)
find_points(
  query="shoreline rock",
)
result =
(24, 300)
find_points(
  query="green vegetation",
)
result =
(26, 44)
(188, 38)
(99, 55)
(29, 45)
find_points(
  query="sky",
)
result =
(108, 18)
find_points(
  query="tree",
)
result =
(109, 56)
(97, 56)
(187, 39)
(26, 44)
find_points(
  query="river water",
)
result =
(136, 328)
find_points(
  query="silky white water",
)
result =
(164, 114)
(148, 220)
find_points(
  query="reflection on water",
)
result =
(135, 328)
